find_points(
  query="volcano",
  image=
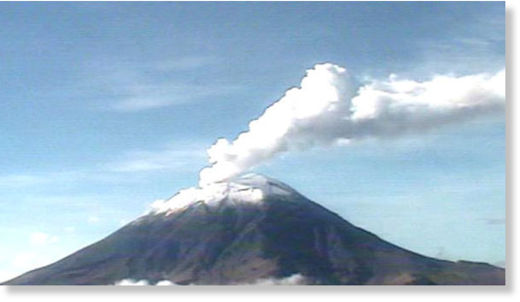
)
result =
(250, 230)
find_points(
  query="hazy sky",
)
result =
(107, 107)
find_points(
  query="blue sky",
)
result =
(107, 107)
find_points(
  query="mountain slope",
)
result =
(253, 228)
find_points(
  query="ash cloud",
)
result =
(326, 109)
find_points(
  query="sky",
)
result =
(107, 107)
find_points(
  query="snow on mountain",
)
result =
(247, 188)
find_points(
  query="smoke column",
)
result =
(327, 110)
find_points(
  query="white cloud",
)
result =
(154, 96)
(93, 219)
(165, 283)
(183, 63)
(132, 282)
(24, 261)
(20, 180)
(151, 85)
(296, 279)
(143, 282)
(168, 157)
(326, 110)
(41, 238)
(143, 102)
(69, 229)
(152, 160)
(35, 179)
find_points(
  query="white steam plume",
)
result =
(326, 110)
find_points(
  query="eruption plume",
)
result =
(326, 109)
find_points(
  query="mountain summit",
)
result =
(249, 188)
(250, 230)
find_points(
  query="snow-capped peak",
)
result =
(247, 188)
